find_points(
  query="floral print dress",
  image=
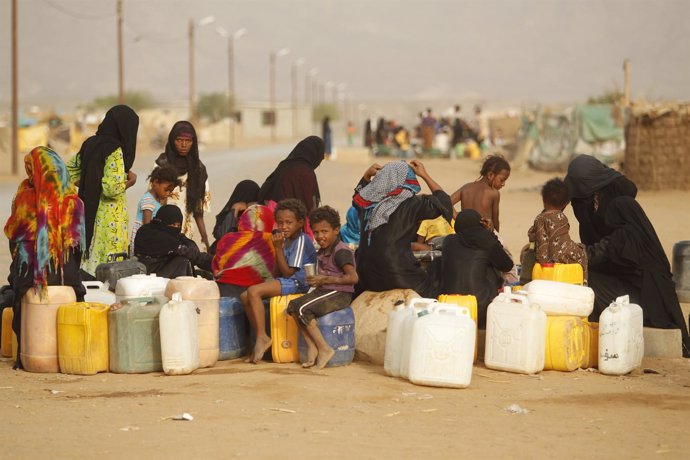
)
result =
(110, 232)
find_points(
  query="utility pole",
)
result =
(192, 108)
(626, 87)
(120, 57)
(15, 82)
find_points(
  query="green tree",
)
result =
(214, 106)
(135, 99)
(322, 110)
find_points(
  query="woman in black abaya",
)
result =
(632, 261)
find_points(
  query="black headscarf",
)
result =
(117, 130)
(294, 177)
(189, 164)
(246, 191)
(469, 228)
(634, 242)
(587, 175)
(158, 238)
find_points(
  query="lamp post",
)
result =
(231, 78)
(341, 97)
(295, 64)
(203, 22)
(120, 57)
(15, 86)
(272, 78)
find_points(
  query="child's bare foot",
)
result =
(262, 345)
(312, 352)
(325, 355)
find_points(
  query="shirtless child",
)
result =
(483, 194)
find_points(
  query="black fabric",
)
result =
(635, 257)
(318, 303)
(294, 177)
(472, 262)
(385, 260)
(246, 191)
(189, 164)
(587, 175)
(117, 130)
(169, 214)
(21, 280)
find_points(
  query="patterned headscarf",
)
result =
(393, 184)
(247, 256)
(47, 217)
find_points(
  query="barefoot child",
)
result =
(551, 230)
(162, 181)
(293, 250)
(483, 194)
(334, 283)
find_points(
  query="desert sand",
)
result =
(283, 411)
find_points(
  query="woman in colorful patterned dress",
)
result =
(102, 172)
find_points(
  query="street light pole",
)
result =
(15, 102)
(120, 57)
(231, 79)
(296, 63)
(272, 80)
(192, 104)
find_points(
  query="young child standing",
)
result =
(483, 194)
(293, 249)
(162, 182)
(333, 283)
(551, 230)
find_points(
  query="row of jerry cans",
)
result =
(431, 343)
(521, 338)
(126, 340)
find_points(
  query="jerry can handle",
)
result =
(117, 255)
(453, 309)
(622, 300)
(421, 301)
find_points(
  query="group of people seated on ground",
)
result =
(67, 218)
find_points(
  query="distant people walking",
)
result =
(326, 135)
(380, 137)
(192, 196)
(101, 169)
(368, 134)
(428, 130)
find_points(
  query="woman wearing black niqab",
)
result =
(472, 262)
(192, 197)
(295, 176)
(245, 194)
(632, 261)
(592, 186)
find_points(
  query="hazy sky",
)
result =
(546, 50)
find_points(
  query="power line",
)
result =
(74, 15)
(145, 36)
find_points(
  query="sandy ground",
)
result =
(281, 411)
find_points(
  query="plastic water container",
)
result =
(134, 336)
(621, 341)
(681, 269)
(82, 330)
(39, 349)
(416, 306)
(557, 298)
(468, 301)
(234, 329)
(397, 337)
(140, 285)
(206, 296)
(515, 334)
(566, 273)
(565, 343)
(442, 347)
(179, 330)
(97, 292)
(591, 355)
(338, 329)
(8, 349)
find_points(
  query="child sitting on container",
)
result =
(551, 230)
(162, 182)
(333, 282)
(294, 249)
(431, 233)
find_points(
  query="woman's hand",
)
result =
(131, 179)
(418, 168)
(238, 208)
(487, 224)
(371, 171)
